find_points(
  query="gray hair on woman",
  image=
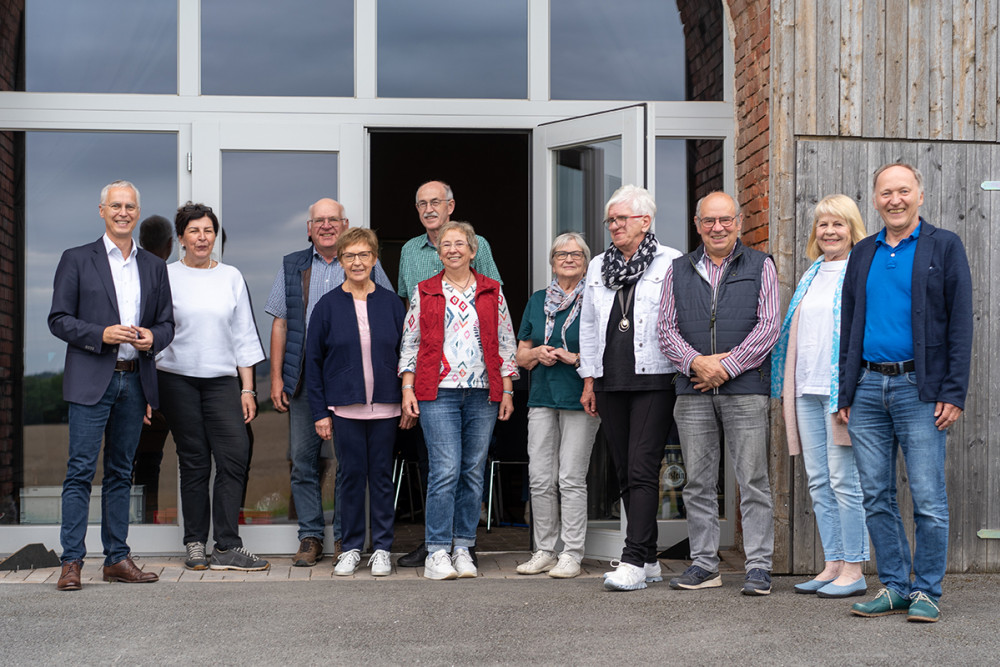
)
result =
(465, 228)
(636, 198)
(563, 240)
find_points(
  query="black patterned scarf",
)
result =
(617, 273)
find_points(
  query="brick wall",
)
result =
(11, 254)
(752, 53)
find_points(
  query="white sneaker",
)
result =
(347, 563)
(566, 568)
(438, 566)
(462, 561)
(626, 578)
(380, 563)
(652, 571)
(540, 561)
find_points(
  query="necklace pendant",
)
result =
(623, 325)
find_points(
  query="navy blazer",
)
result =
(334, 370)
(84, 303)
(941, 312)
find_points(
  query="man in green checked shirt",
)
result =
(419, 258)
(419, 261)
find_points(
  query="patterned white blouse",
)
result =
(463, 366)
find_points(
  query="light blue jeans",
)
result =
(834, 484)
(887, 416)
(307, 470)
(457, 427)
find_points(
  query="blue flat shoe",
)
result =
(859, 587)
(811, 586)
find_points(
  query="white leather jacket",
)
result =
(597, 303)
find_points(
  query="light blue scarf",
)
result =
(779, 353)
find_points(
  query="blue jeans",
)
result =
(118, 415)
(307, 471)
(834, 484)
(457, 427)
(887, 415)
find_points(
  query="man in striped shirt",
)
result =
(718, 322)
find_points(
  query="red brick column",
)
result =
(752, 55)
(11, 265)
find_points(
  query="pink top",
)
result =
(369, 410)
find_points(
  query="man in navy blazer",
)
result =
(906, 345)
(111, 304)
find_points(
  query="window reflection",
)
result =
(628, 50)
(585, 178)
(64, 173)
(255, 47)
(101, 46)
(265, 203)
(453, 48)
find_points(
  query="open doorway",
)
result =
(489, 172)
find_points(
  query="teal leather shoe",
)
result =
(923, 608)
(859, 587)
(811, 586)
(886, 602)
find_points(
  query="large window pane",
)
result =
(265, 203)
(64, 173)
(259, 47)
(101, 46)
(453, 48)
(585, 178)
(626, 50)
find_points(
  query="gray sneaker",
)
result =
(196, 559)
(695, 578)
(237, 558)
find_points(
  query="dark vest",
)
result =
(711, 328)
(298, 270)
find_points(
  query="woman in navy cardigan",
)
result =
(352, 348)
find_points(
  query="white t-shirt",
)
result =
(815, 333)
(214, 326)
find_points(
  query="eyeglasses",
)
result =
(727, 222)
(560, 255)
(620, 219)
(349, 257)
(457, 245)
(434, 203)
(117, 207)
(332, 220)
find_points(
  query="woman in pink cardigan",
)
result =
(804, 374)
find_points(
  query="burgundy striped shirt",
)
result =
(754, 348)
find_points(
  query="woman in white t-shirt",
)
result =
(206, 391)
(805, 373)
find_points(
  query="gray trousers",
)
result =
(744, 420)
(559, 446)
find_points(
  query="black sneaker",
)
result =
(695, 577)
(196, 559)
(415, 558)
(758, 582)
(237, 558)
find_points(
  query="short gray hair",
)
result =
(564, 239)
(916, 174)
(465, 228)
(448, 194)
(119, 184)
(636, 198)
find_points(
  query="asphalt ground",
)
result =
(488, 620)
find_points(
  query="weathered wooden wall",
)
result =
(855, 85)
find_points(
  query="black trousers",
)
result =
(206, 419)
(636, 424)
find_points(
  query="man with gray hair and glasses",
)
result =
(304, 277)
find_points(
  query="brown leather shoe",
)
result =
(126, 572)
(338, 549)
(310, 551)
(69, 580)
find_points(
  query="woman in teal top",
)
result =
(560, 433)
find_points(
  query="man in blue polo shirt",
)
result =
(904, 373)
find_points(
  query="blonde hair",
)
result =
(839, 206)
(465, 228)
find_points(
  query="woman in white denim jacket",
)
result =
(627, 380)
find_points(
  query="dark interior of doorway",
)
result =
(490, 176)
